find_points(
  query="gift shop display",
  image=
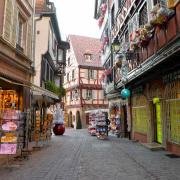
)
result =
(92, 124)
(101, 127)
(9, 128)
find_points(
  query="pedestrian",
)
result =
(107, 125)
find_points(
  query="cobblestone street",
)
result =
(78, 156)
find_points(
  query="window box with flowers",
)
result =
(160, 15)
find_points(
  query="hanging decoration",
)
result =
(125, 93)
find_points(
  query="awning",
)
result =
(39, 91)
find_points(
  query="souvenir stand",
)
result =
(12, 124)
(97, 123)
(92, 124)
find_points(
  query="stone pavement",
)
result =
(78, 156)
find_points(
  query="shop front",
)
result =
(14, 115)
(172, 112)
(42, 116)
(118, 113)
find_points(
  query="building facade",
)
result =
(82, 81)
(16, 57)
(144, 42)
(49, 61)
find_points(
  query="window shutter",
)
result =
(101, 94)
(94, 94)
(14, 27)
(86, 74)
(8, 20)
(84, 91)
(95, 74)
(29, 39)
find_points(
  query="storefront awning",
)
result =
(39, 91)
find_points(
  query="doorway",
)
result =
(124, 121)
(158, 120)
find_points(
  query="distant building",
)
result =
(49, 62)
(82, 80)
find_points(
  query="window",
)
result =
(67, 77)
(20, 28)
(112, 16)
(73, 74)
(88, 57)
(47, 72)
(120, 3)
(143, 16)
(88, 94)
(90, 74)
(60, 55)
(69, 61)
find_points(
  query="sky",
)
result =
(76, 17)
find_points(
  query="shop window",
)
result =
(9, 100)
(143, 16)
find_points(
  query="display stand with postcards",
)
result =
(9, 127)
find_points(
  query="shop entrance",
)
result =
(124, 121)
(158, 120)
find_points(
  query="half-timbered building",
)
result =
(82, 81)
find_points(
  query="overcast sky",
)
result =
(76, 17)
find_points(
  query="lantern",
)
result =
(125, 93)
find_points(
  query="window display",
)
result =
(8, 99)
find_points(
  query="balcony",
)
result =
(160, 42)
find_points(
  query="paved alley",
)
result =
(78, 156)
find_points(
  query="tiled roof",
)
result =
(86, 45)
